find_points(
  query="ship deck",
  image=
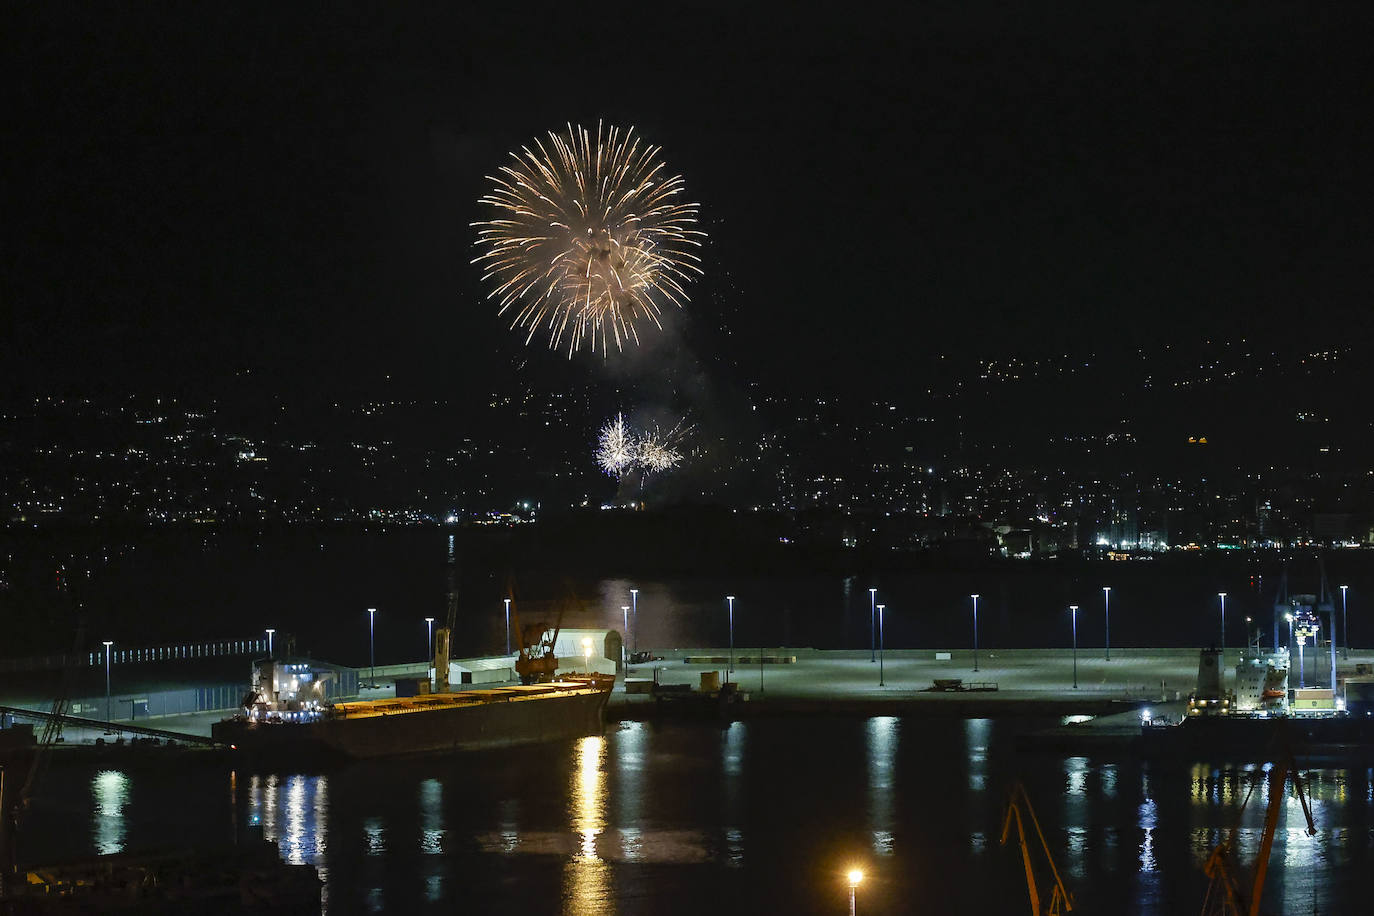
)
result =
(358, 709)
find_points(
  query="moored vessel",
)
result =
(464, 720)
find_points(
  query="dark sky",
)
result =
(193, 190)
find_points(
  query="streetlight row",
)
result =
(875, 630)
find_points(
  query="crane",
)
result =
(443, 636)
(537, 662)
(1225, 895)
(1061, 901)
(14, 800)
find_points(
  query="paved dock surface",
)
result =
(836, 678)
(1028, 681)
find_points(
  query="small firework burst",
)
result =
(620, 450)
(589, 239)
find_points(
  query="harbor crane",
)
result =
(1018, 809)
(1225, 895)
(537, 662)
(15, 798)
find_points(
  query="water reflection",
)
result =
(976, 739)
(732, 764)
(630, 764)
(586, 878)
(1148, 819)
(110, 789)
(1076, 776)
(295, 818)
(431, 817)
(882, 753)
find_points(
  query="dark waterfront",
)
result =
(763, 816)
(317, 584)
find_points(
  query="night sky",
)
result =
(193, 192)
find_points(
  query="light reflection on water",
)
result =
(732, 765)
(976, 738)
(295, 818)
(592, 823)
(883, 735)
(111, 791)
(586, 878)
(431, 817)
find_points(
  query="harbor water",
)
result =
(759, 816)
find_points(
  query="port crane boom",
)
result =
(1061, 901)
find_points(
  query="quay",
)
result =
(847, 682)
(777, 681)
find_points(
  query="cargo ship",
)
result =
(286, 719)
(1262, 717)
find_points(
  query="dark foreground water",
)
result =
(756, 817)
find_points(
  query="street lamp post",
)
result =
(881, 682)
(1345, 627)
(429, 637)
(634, 612)
(1107, 610)
(1073, 609)
(372, 644)
(872, 624)
(507, 600)
(587, 653)
(731, 600)
(975, 631)
(270, 631)
(1221, 659)
(855, 877)
(108, 643)
(1289, 618)
(625, 618)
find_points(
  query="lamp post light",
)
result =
(975, 631)
(855, 877)
(625, 616)
(108, 643)
(881, 682)
(1289, 618)
(872, 624)
(507, 600)
(1248, 621)
(429, 637)
(587, 653)
(1222, 658)
(1345, 627)
(634, 612)
(1107, 610)
(1073, 609)
(270, 631)
(731, 600)
(372, 645)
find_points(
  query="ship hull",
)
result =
(443, 730)
(1244, 738)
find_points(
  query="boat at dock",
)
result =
(282, 720)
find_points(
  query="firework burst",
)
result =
(615, 448)
(658, 451)
(589, 238)
(620, 450)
